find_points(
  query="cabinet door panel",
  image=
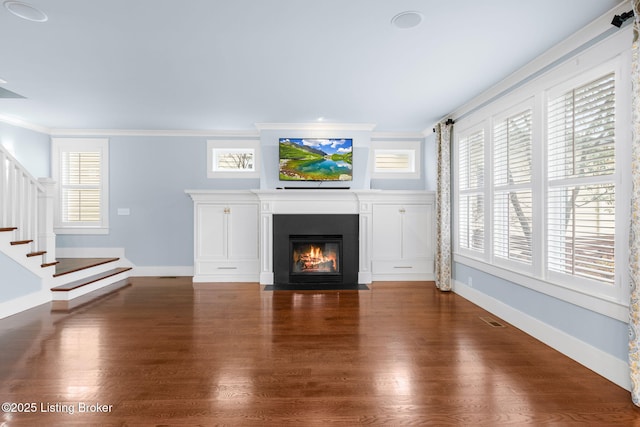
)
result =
(417, 232)
(243, 231)
(387, 232)
(211, 238)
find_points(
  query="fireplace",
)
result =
(315, 256)
(315, 251)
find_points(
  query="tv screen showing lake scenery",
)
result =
(315, 159)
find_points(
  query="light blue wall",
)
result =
(602, 332)
(148, 175)
(15, 280)
(430, 170)
(32, 149)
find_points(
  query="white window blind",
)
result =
(581, 194)
(81, 167)
(394, 160)
(471, 191)
(81, 186)
(512, 198)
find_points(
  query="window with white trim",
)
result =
(233, 159)
(553, 190)
(471, 191)
(512, 187)
(581, 181)
(396, 160)
(80, 168)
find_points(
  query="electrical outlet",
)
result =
(470, 281)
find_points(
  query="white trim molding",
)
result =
(166, 132)
(365, 127)
(602, 363)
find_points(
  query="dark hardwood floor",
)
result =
(162, 353)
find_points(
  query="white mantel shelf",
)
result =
(317, 201)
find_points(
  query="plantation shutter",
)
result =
(81, 186)
(581, 195)
(471, 192)
(394, 160)
(513, 210)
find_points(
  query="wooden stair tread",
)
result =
(21, 242)
(32, 254)
(8, 229)
(49, 264)
(88, 280)
(71, 265)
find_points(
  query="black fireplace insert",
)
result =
(315, 251)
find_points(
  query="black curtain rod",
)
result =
(448, 122)
(618, 20)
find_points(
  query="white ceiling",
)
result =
(226, 65)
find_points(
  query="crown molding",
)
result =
(24, 124)
(428, 131)
(156, 133)
(396, 135)
(365, 127)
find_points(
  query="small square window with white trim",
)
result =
(232, 159)
(396, 160)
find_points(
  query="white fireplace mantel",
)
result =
(298, 201)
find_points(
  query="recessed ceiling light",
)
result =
(2, 82)
(25, 11)
(406, 20)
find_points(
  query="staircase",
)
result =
(27, 237)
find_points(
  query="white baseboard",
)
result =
(365, 277)
(403, 277)
(154, 271)
(602, 363)
(226, 278)
(266, 278)
(17, 305)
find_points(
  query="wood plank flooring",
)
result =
(160, 352)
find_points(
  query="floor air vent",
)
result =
(492, 322)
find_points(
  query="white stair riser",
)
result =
(79, 275)
(6, 237)
(83, 290)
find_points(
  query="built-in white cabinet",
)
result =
(402, 236)
(233, 231)
(226, 240)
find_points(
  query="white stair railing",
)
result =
(27, 204)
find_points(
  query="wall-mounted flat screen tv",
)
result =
(316, 159)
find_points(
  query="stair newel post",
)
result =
(4, 191)
(46, 236)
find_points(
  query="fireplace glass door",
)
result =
(315, 256)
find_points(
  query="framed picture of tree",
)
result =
(233, 159)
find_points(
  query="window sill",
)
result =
(81, 230)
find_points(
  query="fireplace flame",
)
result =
(315, 260)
